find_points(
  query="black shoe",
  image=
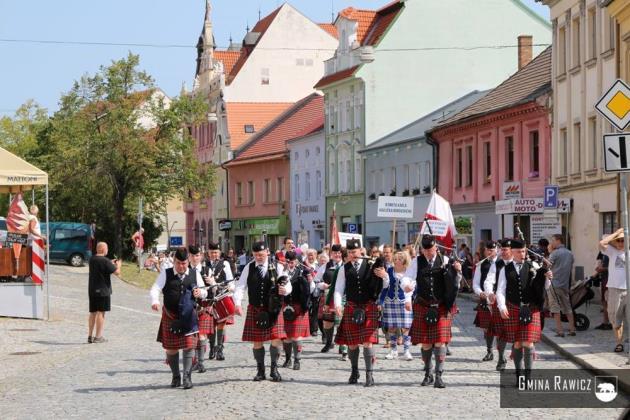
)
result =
(177, 381)
(260, 375)
(344, 357)
(90, 339)
(187, 382)
(501, 365)
(287, 363)
(489, 356)
(354, 376)
(212, 353)
(369, 379)
(428, 379)
(438, 381)
(448, 351)
(326, 348)
(296, 365)
(604, 326)
(200, 367)
(219, 352)
(275, 375)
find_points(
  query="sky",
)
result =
(44, 71)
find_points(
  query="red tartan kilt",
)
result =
(172, 341)
(206, 321)
(352, 334)
(330, 314)
(483, 319)
(252, 333)
(513, 331)
(496, 326)
(300, 327)
(423, 333)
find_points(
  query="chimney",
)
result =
(525, 51)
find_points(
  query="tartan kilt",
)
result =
(483, 319)
(395, 315)
(172, 341)
(513, 331)
(352, 334)
(206, 321)
(496, 325)
(423, 333)
(330, 315)
(252, 333)
(300, 326)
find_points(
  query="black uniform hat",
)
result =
(181, 254)
(258, 246)
(490, 244)
(505, 243)
(213, 246)
(353, 244)
(517, 244)
(335, 248)
(290, 256)
(193, 249)
(428, 241)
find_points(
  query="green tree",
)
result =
(115, 139)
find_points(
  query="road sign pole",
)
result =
(394, 234)
(626, 234)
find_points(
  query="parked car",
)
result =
(68, 242)
(3, 231)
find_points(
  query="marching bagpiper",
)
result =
(296, 320)
(520, 297)
(264, 320)
(178, 329)
(323, 280)
(483, 319)
(206, 324)
(361, 282)
(435, 284)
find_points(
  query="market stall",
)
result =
(23, 264)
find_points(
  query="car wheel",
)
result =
(76, 260)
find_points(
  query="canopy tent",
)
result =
(23, 299)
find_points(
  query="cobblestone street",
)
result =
(127, 378)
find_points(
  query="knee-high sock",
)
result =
(212, 339)
(330, 334)
(368, 356)
(219, 337)
(517, 354)
(297, 350)
(393, 341)
(188, 358)
(440, 357)
(354, 358)
(426, 358)
(275, 353)
(201, 350)
(528, 357)
(489, 340)
(259, 355)
(501, 347)
(287, 346)
(406, 342)
(173, 362)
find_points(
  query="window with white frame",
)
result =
(296, 188)
(577, 147)
(592, 32)
(318, 180)
(358, 174)
(348, 175)
(382, 179)
(307, 186)
(562, 50)
(592, 130)
(392, 180)
(267, 190)
(428, 175)
(575, 42)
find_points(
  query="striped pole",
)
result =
(39, 258)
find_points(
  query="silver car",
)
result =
(3, 230)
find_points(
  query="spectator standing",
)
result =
(242, 261)
(100, 290)
(138, 243)
(558, 294)
(601, 272)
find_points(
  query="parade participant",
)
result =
(435, 283)
(311, 261)
(361, 281)
(520, 297)
(314, 315)
(323, 280)
(219, 272)
(483, 319)
(296, 322)
(178, 327)
(396, 305)
(264, 320)
(205, 322)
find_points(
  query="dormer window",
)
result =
(249, 128)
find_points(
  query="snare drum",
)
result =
(223, 308)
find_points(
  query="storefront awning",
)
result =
(18, 175)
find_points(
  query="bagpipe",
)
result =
(187, 321)
(536, 280)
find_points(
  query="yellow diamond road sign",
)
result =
(615, 105)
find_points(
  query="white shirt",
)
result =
(616, 267)
(503, 282)
(412, 274)
(157, 287)
(228, 274)
(477, 277)
(241, 285)
(491, 278)
(340, 285)
(319, 277)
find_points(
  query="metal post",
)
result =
(47, 264)
(624, 219)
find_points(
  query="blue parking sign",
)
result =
(353, 228)
(551, 197)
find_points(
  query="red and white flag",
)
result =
(440, 209)
(334, 232)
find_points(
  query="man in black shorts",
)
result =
(100, 290)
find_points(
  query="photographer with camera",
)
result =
(100, 290)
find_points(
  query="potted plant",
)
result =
(416, 191)
(392, 193)
(405, 193)
(372, 196)
(381, 194)
(426, 189)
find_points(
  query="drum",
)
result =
(223, 308)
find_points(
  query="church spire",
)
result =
(208, 36)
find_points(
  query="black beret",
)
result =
(505, 243)
(213, 246)
(428, 241)
(258, 246)
(336, 248)
(517, 244)
(543, 242)
(181, 254)
(353, 244)
(193, 249)
(290, 256)
(490, 244)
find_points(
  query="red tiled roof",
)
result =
(330, 28)
(229, 59)
(335, 77)
(303, 118)
(263, 24)
(522, 87)
(364, 18)
(258, 114)
(372, 24)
